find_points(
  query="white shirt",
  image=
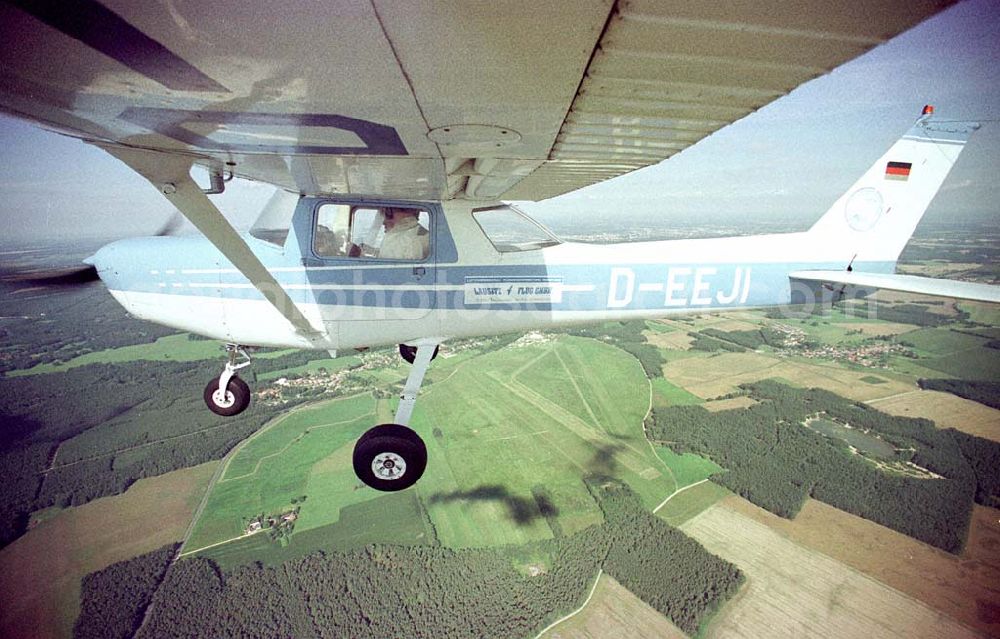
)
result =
(406, 240)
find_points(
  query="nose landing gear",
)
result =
(227, 394)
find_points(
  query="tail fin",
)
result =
(874, 220)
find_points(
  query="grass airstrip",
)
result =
(499, 426)
(527, 417)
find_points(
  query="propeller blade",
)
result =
(172, 225)
(72, 276)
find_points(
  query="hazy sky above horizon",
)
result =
(793, 158)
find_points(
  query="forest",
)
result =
(710, 344)
(429, 591)
(983, 456)
(917, 314)
(126, 421)
(61, 326)
(776, 462)
(91, 431)
(751, 339)
(984, 391)
(113, 600)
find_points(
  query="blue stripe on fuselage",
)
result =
(616, 287)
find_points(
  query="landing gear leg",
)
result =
(409, 353)
(227, 394)
(392, 457)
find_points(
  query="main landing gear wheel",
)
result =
(390, 457)
(233, 402)
(409, 353)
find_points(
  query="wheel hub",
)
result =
(223, 399)
(388, 466)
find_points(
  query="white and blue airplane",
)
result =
(395, 132)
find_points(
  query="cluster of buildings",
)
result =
(794, 337)
(321, 382)
(870, 355)
(262, 522)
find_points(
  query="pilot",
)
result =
(405, 238)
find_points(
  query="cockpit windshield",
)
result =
(511, 231)
(275, 218)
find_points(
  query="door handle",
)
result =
(419, 271)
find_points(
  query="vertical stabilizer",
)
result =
(875, 218)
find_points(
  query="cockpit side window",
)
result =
(376, 232)
(512, 231)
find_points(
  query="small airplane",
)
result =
(389, 224)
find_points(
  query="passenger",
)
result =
(405, 238)
(327, 243)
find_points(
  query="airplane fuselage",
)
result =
(369, 272)
(466, 286)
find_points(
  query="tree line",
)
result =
(749, 339)
(776, 462)
(47, 329)
(984, 391)
(428, 591)
(114, 599)
(112, 424)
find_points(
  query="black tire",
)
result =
(237, 397)
(409, 353)
(386, 446)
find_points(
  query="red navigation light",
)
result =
(928, 109)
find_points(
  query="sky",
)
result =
(788, 161)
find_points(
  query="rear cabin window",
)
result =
(374, 232)
(511, 231)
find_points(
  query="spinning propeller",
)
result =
(69, 275)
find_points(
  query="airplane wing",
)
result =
(905, 283)
(427, 99)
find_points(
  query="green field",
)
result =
(953, 353)
(941, 341)
(512, 420)
(175, 348)
(539, 415)
(687, 468)
(982, 312)
(689, 503)
(659, 327)
(667, 394)
(823, 329)
(305, 452)
(359, 524)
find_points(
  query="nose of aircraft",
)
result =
(103, 261)
(115, 261)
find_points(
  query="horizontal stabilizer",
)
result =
(904, 283)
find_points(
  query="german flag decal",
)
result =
(897, 171)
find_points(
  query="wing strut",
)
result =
(171, 175)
